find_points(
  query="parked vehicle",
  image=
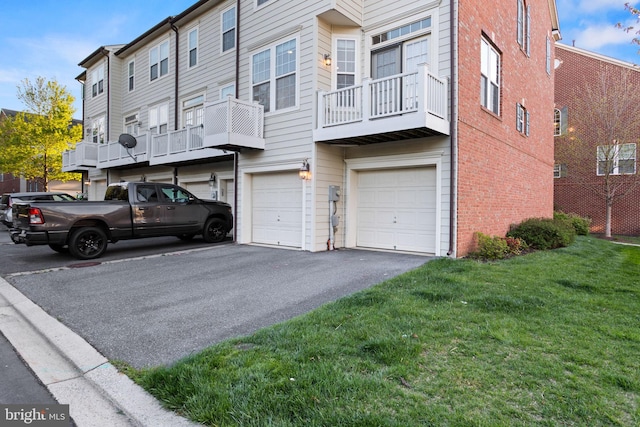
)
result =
(130, 210)
(9, 199)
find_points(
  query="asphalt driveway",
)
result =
(155, 310)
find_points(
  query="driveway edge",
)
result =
(74, 372)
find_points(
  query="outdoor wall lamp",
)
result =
(143, 178)
(212, 180)
(327, 59)
(305, 170)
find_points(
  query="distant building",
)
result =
(577, 68)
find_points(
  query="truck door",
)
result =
(148, 216)
(181, 215)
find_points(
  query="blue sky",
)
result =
(49, 38)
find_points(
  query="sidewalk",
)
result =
(74, 372)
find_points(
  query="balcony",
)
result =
(83, 157)
(403, 106)
(229, 124)
(233, 125)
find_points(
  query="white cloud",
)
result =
(595, 37)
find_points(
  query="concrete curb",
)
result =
(74, 372)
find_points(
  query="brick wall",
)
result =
(503, 176)
(578, 68)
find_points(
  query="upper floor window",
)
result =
(616, 159)
(131, 74)
(261, 2)
(229, 90)
(274, 76)
(159, 119)
(193, 111)
(97, 81)
(560, 121)
(403, 31)
(524, 26)
(490, 77)
(228, 29)
(345, 63)
(522, 119)
(131, 124)
(159, 60)
(97, 130)
(193, 47)
(559, 170)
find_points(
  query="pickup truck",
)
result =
(130, 210)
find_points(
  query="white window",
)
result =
(193, 111)
(490, 77)
(97, 130)
(159, 119)
(193, 47)
(557, 120)
(229, 90)
(345, 63)
(97, 81)
(131, 124)
(261, 2)
(228, 29)
(617, 159)
(559, 170)
(159, 61)
(131, 75)
(274, 76)
(524, 26)
(522, 119)
(548, 56)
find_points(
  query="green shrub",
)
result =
(493, 248)
(580, 224)
(544, 233)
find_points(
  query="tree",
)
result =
(636, 13)
(32, 142)
(600, 147)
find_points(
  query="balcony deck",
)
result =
(229, 124)
(403, 106)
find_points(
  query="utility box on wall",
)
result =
(334, 193)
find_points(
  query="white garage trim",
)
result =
(353, 166)
(247, 183)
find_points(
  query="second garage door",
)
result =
(277, 209)
(397, 209)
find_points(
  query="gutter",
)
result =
(453, 131)
(235, 153)
(105, 52)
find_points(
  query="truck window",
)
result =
(146, 193)
(175, 194)
(116, 192)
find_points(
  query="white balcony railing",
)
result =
(83, 157)
(360, 108)
(229, 124)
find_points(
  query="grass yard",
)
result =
(546, 339)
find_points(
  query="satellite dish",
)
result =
(127, 141)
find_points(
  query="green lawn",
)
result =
(549, 339)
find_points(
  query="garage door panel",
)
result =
(396, 209)
(277, 209)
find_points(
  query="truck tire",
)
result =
(214, 231)
(88, 243)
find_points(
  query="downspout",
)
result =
(175, 86)
(235, 153)
(105, 52)
(453, 129)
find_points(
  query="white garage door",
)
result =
(397, 209)
(200, 189)
(277, 209)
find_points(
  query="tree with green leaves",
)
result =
(32, 142)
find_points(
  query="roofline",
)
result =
(599, 57)
(168, 22)
(555, 21)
